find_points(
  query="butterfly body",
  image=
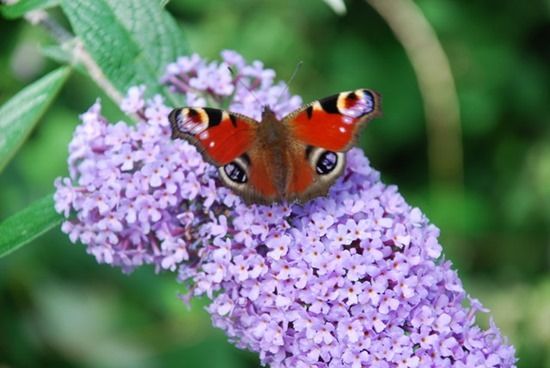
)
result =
(291, 159)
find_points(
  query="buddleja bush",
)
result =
(354, 279)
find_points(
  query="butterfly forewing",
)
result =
(333, 122)
(219, 135)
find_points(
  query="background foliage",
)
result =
(58, 307)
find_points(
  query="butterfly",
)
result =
(296, 158)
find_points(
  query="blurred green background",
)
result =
(59, 308)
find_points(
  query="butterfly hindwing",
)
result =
(333, 122)
(219, 135)
(313, 172)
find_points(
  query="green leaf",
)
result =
(131, 40)
(24, 226)
(22, 7)
(20, 114)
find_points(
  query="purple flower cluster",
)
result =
(246, 92)
(354, 279)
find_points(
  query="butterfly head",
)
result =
(268, 114)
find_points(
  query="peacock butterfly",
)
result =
(296, 158)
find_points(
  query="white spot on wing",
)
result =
(342, 129)
(212, 144)
(347, 120)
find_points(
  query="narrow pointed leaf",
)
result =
(24, 226)
(21, 113)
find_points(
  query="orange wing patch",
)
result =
(301, 177)
(261, 179)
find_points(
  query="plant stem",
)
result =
(436, 84)
(76, 49)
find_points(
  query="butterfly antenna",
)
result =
(290, 79)
(244, 85)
